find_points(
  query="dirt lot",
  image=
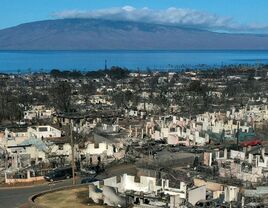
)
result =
(118, 170)
(77, 198)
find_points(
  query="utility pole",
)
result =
(72, 146)
(106, 65)
(237, 136)
(6, 159)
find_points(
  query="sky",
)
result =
(216, 15)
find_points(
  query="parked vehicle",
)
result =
(59, 174)
(88, 171)
(92, 170)
(251, 142)
(206, 204)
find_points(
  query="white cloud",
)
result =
(170, 16)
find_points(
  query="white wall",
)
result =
(147, 184)
(197, 194)
(66, 150)
(50, 132)
(35, 153)
(103, 148)
(230, 193)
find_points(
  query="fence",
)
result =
(26, 177)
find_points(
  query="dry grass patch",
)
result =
(77, 198)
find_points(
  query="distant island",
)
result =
(96, 34)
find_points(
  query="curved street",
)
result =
(17, 196)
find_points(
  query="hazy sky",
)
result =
(228, 15)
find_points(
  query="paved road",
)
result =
(15, 197)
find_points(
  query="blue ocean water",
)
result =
(31, 61)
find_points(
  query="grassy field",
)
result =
(73, 198)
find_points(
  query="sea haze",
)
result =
(31, 61)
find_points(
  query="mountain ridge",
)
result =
(97, 34)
